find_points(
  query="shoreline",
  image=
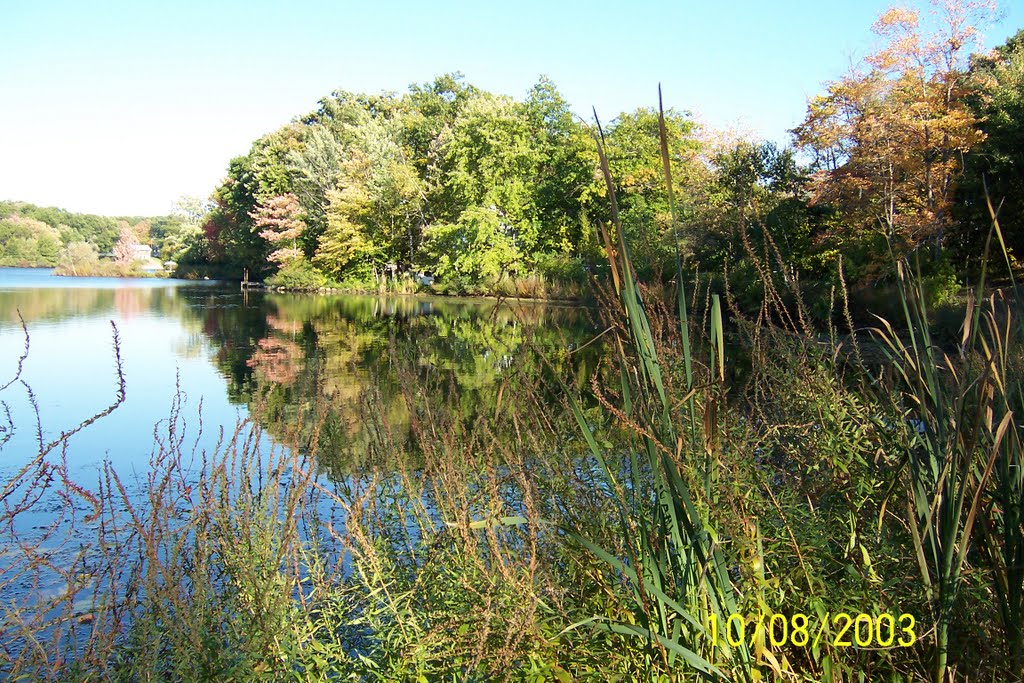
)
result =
(332, 291)
(343, 291)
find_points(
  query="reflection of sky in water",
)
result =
(71, 370)
(216, 340)
(42, 278)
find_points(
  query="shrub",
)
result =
(298, 274)
(560, 267)
(942, 287)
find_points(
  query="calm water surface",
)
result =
(218, 352)
(216, 344)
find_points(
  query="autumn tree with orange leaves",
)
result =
(279, 221)
(888, 141)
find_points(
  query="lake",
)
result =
(217, 344)
(199, 359)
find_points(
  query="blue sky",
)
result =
(119, 107)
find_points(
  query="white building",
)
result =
(142, 252)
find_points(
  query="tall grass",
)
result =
(246, 560)
(1003, 523)
(675, 569)
(964, 458)
(948, 424)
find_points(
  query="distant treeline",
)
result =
(34, 236)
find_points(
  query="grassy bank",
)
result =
(105, 269)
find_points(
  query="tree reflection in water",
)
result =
(336, 367)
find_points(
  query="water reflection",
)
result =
(344, 371)
(289, 361)
(342, 367)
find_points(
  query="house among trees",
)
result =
(142, 256)
(141, 252)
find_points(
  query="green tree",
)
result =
(315, 167)
(565, 184)
(757, 190)
(177, 235)
(78, 256)
(491, 163)
(346, 244)
(380, 176)
(478, 248)
(430, 109)
(997, 100)
(395, 191)
(633, 147)
(100, 230)
(28, 242)
(231, 239)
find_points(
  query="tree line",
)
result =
(35, 236)
(475, 188)
(481, 191)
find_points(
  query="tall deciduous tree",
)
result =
(888, 141)
(78, 255)
(346, 242)
(755, 196)
(566, 188)
(315, 168)
(998, 162)
(191, 210)
(477, 247)
(634, 152)
(124, 250)
(491, 164)
(279, 221)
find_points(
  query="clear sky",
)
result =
(120, 106)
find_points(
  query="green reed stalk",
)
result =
(959, 420)
(677, 572)
(1003, 525)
